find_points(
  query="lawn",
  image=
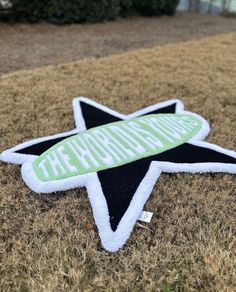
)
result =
(190, 243)
(32, 46)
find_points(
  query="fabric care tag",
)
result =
(119, 158)
(145, 216)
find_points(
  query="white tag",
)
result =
(145, 216)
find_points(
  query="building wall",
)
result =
(204, 4)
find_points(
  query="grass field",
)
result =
(26, 46)
(190, 244)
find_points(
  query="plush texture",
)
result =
(118, 194)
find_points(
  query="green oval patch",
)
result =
(115, 144)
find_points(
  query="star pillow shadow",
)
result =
(118, 194)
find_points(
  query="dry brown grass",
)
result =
(45, 245)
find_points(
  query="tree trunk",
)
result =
(197, 8)
(210, 6)
(229, 5)
(224, 6)
(190, 5)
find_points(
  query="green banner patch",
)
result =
(115, 144)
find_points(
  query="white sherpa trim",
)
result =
(11, 156)
(170, 167)
(113, 241)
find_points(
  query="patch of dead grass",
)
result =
(45, 245)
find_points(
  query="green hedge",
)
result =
(77, 11)
(65, 11)
(126, 7)
(155, 7)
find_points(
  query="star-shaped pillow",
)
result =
(119, 158)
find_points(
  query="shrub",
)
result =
(76, 11)
(126, 7)
(155, 7)
(65, 11)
